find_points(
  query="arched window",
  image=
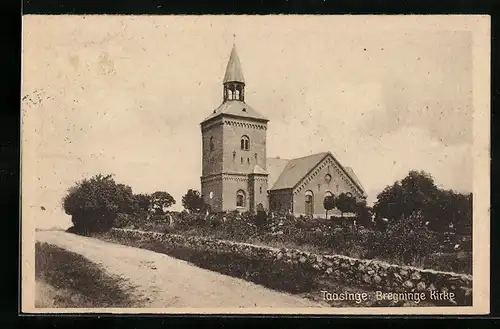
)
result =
(309, 196)
(240, 198)
(212, 146)
(245, 143)
(309, 200)
(330, 205)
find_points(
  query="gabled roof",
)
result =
(291, 172)
(234, 72)
(275, 167)
(296, 169)
(236, 108)
(353, 176)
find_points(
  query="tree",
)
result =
(328, 204)
(345, 203)
(415, 192)
(440, 210)
(160, 201)
(193, 201)
(363, 214)
(389, 202)
(451, 211)
(95, 203)
(142, 202)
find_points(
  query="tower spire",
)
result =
(234, 83)
(233, 69)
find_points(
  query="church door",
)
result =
(309, 204)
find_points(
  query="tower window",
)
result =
(240, 198)
(256, 159)
(260, 190)
(241, 160)
(234, 155)
(245, 143)
(248, 160)
(212, 146)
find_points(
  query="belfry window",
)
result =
(245, 143)
(240, 198)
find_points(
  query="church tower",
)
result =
(234, 173)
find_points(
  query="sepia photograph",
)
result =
(279, 164)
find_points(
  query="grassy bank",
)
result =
(66, 279)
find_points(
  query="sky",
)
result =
(125, 95)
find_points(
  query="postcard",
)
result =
(277, 164)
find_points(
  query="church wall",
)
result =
(230, 186)
(213, 185)
(281, 201)
(317, 184)
(243, 161)
(212, 160)
(258, 191)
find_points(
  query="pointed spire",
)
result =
(233, 69)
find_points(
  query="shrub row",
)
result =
(406, 242)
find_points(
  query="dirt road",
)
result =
(160, 281)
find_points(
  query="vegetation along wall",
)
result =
(342, 269)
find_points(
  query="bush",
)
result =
(457, 262)
(407, 240)
(260, 218)
(95, 203)
(125, 221)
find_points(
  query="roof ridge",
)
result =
(278, 158)
(311, 155)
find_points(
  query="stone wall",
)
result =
(376, 275)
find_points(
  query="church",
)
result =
(238, 175)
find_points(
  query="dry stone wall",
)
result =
(376, 275)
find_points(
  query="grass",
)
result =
(66, 279)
